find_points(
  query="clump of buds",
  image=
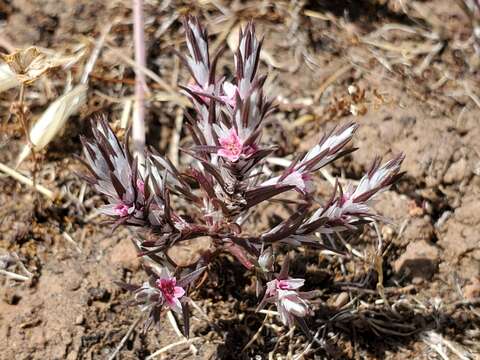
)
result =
(224, 185)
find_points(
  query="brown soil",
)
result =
(422, 102)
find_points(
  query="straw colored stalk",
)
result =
(27, 181)
(138, 125)
(54, 119)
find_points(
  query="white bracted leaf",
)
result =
(54, 119)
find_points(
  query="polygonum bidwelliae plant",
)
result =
(223, 186)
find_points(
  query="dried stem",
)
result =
(25, 180)
(138, 125)
(95, 54)
(23, 121)
(125, 338)
(171, 346)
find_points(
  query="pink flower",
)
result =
(171, 293)
(289, 301)
(301, 180)
(231, 146)
(290, 304)
(266, 260)
(345, 197)
(285, 284)
(122, 209)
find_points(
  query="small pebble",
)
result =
(79, 320)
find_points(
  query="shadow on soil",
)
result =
(361, 11)
(374, 330)
(365, 332)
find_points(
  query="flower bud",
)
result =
(266, 259)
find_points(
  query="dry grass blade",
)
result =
(127, 110)
(175, 139)
(267, 57)
(173, 322)
(25, 180)
(69, 239)
(174, 97)
(256, 335)
(95, 54)
(440, 345)
(14, 276)
(138, 121)
(21, 265)
(330, 80)
(171, 346)
(53, 119)
(120, 54)
(124, 340)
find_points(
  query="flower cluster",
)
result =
(283, 291)
(225, 184)
(163, 290)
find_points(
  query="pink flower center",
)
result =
(167, 287)
(345, 197)
(231, 146)
(283, 285)
(121, 209)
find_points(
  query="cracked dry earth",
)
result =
(71, 309)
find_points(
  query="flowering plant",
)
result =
(224, 185)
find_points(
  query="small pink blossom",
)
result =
(301, 180)
(171, 293)
(345, 197)
(266, 260)
(231, 146)
(290, 304)
(122, 209)
(284, 284)
(288, 300)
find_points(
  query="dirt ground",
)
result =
(416, 73)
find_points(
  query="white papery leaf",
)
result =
(8, 79)
(54, 118)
